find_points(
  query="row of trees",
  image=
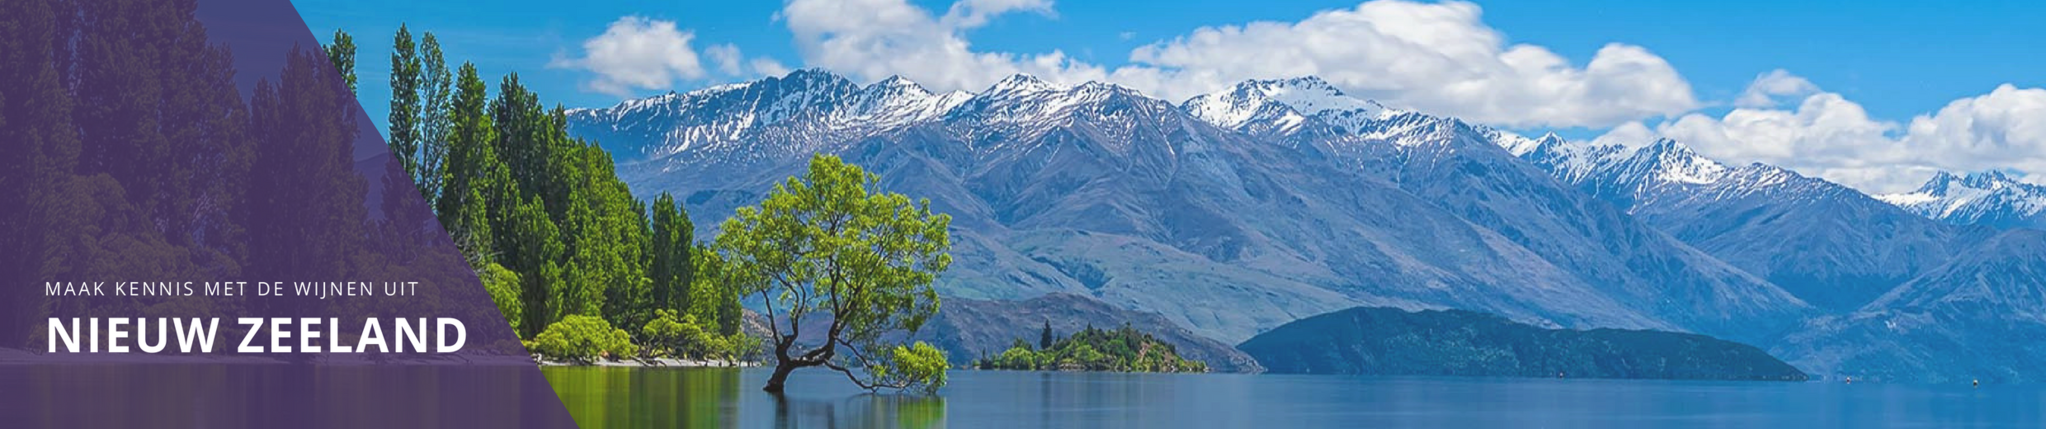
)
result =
(132, 153)
(541, 216)
(1123, 350)
(574, 260)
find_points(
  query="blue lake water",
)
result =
(709, 397)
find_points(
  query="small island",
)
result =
(1123, 349)
(1391, 341)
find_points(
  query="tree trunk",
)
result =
(782, 368)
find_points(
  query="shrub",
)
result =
(503, 285)
(582, 339)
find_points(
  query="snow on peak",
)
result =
(1988, 196)
(894, 102)
(1674, 162)
(1284, 105)
(1020, 84)
(1521, 146)
(1310, 95)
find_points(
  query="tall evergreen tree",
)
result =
(672, 270)
(1045, 338)
(434, 122)
(405, 107)
(42, 147)
(341, 52)
(471, 169)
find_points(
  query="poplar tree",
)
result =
(404, 118)
(341, 52)
(434, 92)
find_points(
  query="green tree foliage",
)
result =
(470, 169)
(919, 365)
(310, 209)
(824, 248)
(341, 53)
(504, 287)
(681, 335)
(1120, 350)
(711, 297)
(1045, 337)
(35, 112)
(520, 195)
(583, 339)
(405, 101)
(672, 270)
(435, 91)
(531, 246)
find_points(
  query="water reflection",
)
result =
(861, 411)
(612, 397)
(727, 398)
(227, 396)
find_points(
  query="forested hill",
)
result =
(1389, 341)
(971, 329)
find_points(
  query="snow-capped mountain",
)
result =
(750, 122)
(1273, 200)
(1743, 215)
(1284, 105)
(1990, 199)
(1829, 244)
(1463, 168)
(1099, 190)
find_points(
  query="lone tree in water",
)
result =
(823, 248)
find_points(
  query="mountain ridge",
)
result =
(1235, 212)
(1989, 198)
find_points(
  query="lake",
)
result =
(616, 397)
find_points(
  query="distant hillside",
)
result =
(967, 329)
(1388, 341)
(1980, 317)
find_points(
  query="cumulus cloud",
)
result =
(768, 67)
(1438, 57)
(1769, 88)
(1434, 57)
(637, 53)
(727, 58)
(1829, 136)
(732, 62)
(974, 13)
(874, 39)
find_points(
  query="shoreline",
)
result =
(650, 363)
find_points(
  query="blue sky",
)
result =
(1683, 68)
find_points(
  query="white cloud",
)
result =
(637, 53)
(1628, 134)
(2005, 128)
(732, 62)
(1829, 136)
(1433, 57)
(727, 58)
(874, 39)
(966, 14)
(1769, 88)
(768, 67)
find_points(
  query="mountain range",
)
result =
(1274, 200)
(1991, 199)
